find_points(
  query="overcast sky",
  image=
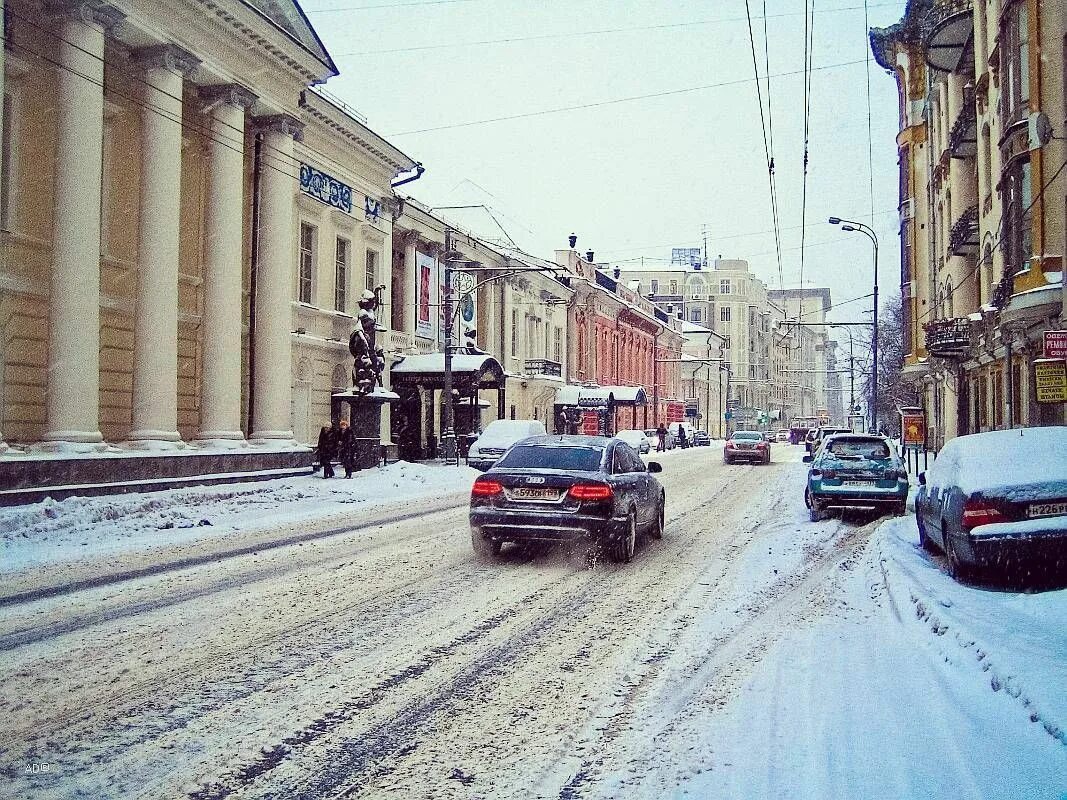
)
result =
(635, 178)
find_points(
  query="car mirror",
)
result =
(654, 466)
(808, 458)
(922, 478)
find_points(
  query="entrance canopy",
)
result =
(600, 396)
(470, 372)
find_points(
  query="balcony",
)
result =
(948, 338)
(949, 28)
(963, 239)
(963, 138)
(396, 341)
(542, 366)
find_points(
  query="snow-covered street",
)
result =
(338, 639)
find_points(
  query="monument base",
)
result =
(364, 415)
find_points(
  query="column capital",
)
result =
(166, 56)
(230, 94)
(280, 123)
(91, 12)
(410, 238)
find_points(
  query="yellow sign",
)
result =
(1050, 380)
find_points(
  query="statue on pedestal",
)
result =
(368, 359)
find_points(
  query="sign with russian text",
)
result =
(1050, 380)
(325, 188)
(1055, 344)
(675, 412)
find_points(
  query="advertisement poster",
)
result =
(426, 291)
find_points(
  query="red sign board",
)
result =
(1055, 344)
(914, 428)
(675, 412)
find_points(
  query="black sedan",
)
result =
(565, 488)
(997, 500)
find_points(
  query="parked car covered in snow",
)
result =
(701, 439)
(563, 488)
(638, 440)
(996, 499)
(855, 472)
(653, 437)
(498, 436)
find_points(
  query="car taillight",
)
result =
(829, 473)
(816, 473)
(729, 445)
(591, 491)
(486, 488)
(979, 512)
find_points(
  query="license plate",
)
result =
(1046, 510)
(857, 483)
(524, 493)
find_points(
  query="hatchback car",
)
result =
(855, 472)
(994, 500)
(638, 440)
(746, 446)
(565, 488)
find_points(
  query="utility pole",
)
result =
(448, 428)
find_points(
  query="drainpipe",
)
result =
(253, 277)
(419, 169)
(655, 376)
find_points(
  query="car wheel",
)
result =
(484, 549)
(957, 567)
(900, 509)
(657, 525)
(924, 541)
(726, 460)
(815, 513)
(623, 549)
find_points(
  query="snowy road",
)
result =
(749, 653)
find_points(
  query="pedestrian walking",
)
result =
(661, 432)
(683, 442)
(327, 449)
(346, 445)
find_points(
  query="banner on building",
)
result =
(1050, 380)
(675, 412)
(1055, 344)
(425, 295)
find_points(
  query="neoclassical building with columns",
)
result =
(187, 224)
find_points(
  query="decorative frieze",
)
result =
(325, 188)
(166, 56)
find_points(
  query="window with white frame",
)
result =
(341, 261)
(655, 286)
(674, 287)
(514, 332)
(308, 246)
(557, 347)
(724, 314)
(724, 286)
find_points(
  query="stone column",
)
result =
(155, 362)
(73, 405)
(220, 391)
(274, 289)
(411, 277)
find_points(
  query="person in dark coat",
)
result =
(346, 446)
(661, 432)
(683, 442)
(327, 449)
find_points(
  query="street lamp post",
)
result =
(850, 226)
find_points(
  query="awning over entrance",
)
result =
(469, 372)
(596, 396)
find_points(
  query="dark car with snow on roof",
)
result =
(565, 488)
(997, 500)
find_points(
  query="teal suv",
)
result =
(855, 472)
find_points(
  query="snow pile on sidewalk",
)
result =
(52, 531)
(913, 685)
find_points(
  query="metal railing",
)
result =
(963, 239)
(948, 338)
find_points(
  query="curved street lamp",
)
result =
(852, 226)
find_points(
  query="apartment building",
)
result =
(981, 87)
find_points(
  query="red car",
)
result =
(747, 446)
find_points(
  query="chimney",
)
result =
(572, 240)
(589, 256)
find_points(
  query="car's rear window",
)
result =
(529, 456)
(747, 435)
(858, 448)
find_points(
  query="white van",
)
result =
(675, 427)
(498, 436)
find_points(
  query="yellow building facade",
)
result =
(982, 203)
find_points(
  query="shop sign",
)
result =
(914, 428)
(1050, 380)
(1055, 344)
(691, 406)
(325, 188)
(675, 412)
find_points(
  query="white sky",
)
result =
(635, 178)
